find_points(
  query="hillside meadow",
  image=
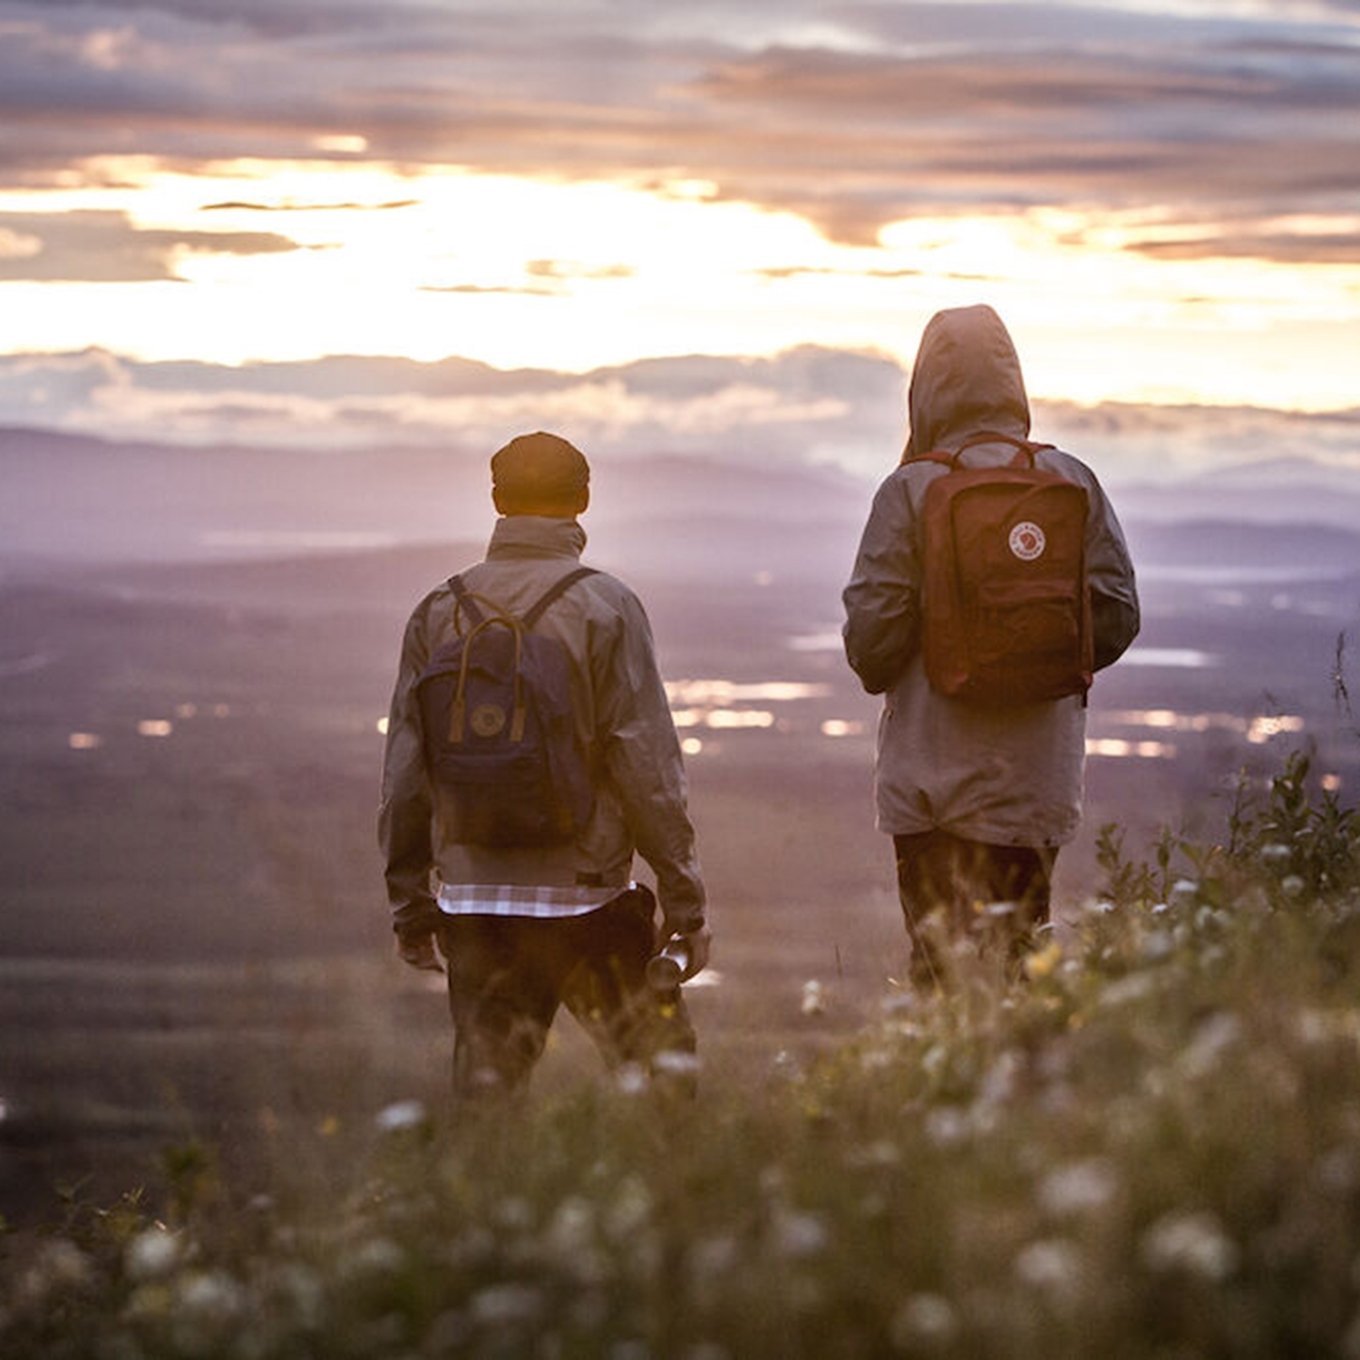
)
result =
(1148, 1145)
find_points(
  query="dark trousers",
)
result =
(509, 975)
(997, 894)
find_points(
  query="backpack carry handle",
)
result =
(458, 709)
(1025, 450)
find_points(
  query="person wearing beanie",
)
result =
(526, 928)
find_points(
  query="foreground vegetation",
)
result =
(1147, 1146)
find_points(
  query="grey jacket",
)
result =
(621, 712)
(1009, 776)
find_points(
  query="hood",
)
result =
(966, 379)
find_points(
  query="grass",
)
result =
(1149, 1146)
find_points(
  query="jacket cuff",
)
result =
(415, 919)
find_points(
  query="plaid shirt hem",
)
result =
(537, 900)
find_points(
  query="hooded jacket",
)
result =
(1002, 776)
(621, 712)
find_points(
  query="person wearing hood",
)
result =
(529, 925)
(978, 798)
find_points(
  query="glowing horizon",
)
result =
(522, 272)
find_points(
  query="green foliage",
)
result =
(1149, 1146)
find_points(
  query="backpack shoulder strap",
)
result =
(539, 607)
(463, 599)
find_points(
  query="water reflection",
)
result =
(1257, 730)
(722, 717)
(1120, 748)
(719, 693)
(1173, 658)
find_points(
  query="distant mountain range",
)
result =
(70, 499)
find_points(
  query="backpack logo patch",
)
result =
(487, 719)
(1027, 541)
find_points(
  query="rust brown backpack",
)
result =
(1006, 611)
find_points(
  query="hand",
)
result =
(419, 952)
(700, 943)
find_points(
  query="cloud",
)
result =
(809, 405)
(288, 205)
(854, 116)
(105, 247)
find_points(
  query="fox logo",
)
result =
(1027, 541)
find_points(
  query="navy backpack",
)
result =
(498, 727)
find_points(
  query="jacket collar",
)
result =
(536, 536)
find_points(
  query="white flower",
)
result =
(798, 1235)
(1051, 1264)
(1190, 1242)
(58, 1266)
(631, 1079)
(501, 1305)
(1079, 1187)
(1292, 886)
(814, 998)
(377, 1256)
(1275, 852)
(629, 1212)
(947, 1125)
(153, 1254)
(675, 1062)
(572, 1230)
(402, 1115)
(204, 1308)
(1210, 1041)
(923, 1318)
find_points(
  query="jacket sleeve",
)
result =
(641, 758)
(882, 600)
(405, 812)
(1115, 615)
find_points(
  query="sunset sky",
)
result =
(1162, 199)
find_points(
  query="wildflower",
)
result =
(924, 1319)
(631, 1079)
(947, 1125)
(673, 1062)
(1052, 1265)
(814, 998)
(1209, 1043)
(153, 1254)
(572, 1230)
(1131, 987)
(504, 1305)
(59, 1267)
(798, 1235)
(1292, 885)
(300, 1290)
(1079, 1187)
(402, 1115)
(1275, 852)
(1193, 1243)
(630, 1211)
(377, 1256)
(1042, 962)
(203, 1309)
(1184, 890)
(1157, 945)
